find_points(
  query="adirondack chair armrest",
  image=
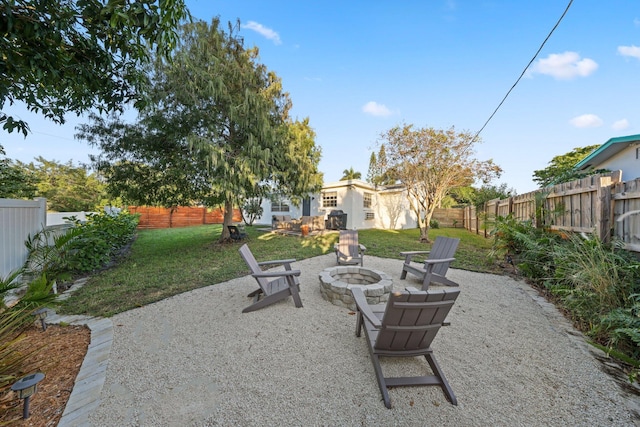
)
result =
(277, 261)
(362, 248)
(277, 273)
(364, 308)
(439, 261)
(408, 255)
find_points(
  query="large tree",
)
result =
(15, 181)
(60, 56)
(217, 130)
(430, 163)
(561, 170)
(66, 187)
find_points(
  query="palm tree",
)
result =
(348, 174)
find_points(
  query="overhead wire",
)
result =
(524, 71)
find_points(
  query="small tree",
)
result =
(430, 163)
(252, 210)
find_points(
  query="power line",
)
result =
(525, 69)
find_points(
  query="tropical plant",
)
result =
(17, 317)
(350, 173)
(252, 209)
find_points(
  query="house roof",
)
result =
(607, 150)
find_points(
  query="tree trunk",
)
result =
(424, 228)
(228, 220)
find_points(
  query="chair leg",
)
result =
(380, 377)
(295, 291)
(446, 388)
(404, 274)
(359, 324)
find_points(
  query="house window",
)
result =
(369, 215)
(637, 153)
(279, 207)
(367, 200)
(330, 199)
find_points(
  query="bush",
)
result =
(100, 238)
(434, 223)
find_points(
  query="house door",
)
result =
(306, 207)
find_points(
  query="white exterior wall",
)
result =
(390, 207)
(294, 211)
(625, 161)
(393, 211)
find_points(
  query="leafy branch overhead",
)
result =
(60, 56)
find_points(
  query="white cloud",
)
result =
(263, 31)
(620, 124)
(586, 121)
(376, 109)
(633, 51)
(564, 66)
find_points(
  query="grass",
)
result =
(166, 262)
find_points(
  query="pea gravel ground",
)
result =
(196, 360)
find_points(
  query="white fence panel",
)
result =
(18, 220)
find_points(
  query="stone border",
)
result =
(375, 284)
(85, 396)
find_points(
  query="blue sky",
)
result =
(358, 68)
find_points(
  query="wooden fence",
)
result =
(598, 204)
(184, 216)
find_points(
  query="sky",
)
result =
(358, 68)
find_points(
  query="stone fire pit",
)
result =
(336, 284)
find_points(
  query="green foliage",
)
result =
(14, 320)
(593, 277)
(49, 252)
(434, 223)
(15, 182)
(74, 56)
(597, 283)
(217, 131)
(490, 192)
(100, 238)
(66, 187)
(623, 327)
(253, 209)
(561, 170)
(430, 163)
(350, 173)
(525, 246)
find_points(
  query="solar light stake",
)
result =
(26, 387)
(41, 314)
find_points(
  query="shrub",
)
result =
(434, 223)
(100, 238)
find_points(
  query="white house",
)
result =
(621, 153)
(365, 206)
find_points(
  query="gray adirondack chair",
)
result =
(348, 250)
(406, 328)
(274, 285)
(435, 267)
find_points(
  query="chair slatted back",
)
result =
(252, 263)
(348, 243)
(412, 319)
(443, 247)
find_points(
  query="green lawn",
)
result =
(167, 262)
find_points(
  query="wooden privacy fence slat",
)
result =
(599, 204)
(183, 216)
